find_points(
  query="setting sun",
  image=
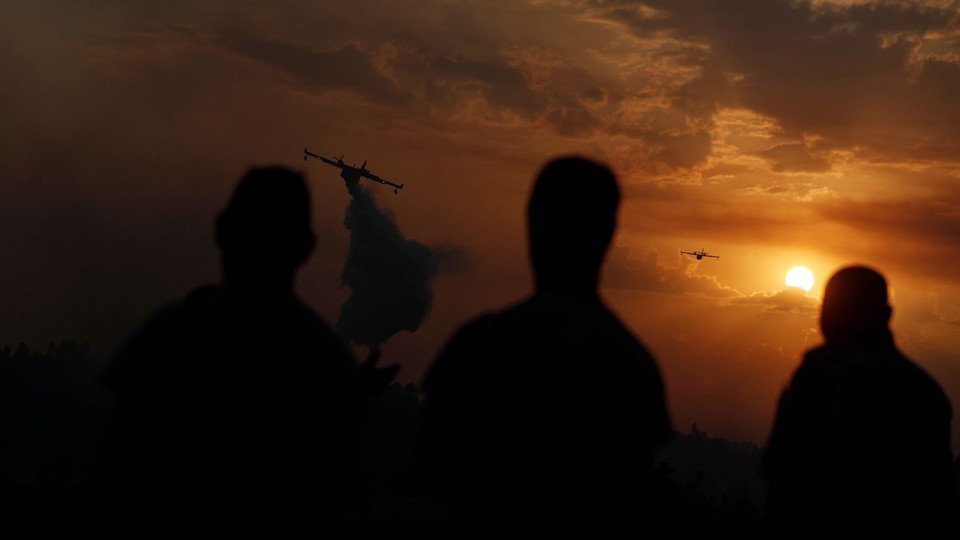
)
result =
(800, 276)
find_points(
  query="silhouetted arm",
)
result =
(376, 379)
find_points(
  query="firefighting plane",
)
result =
(699, 254)
(352, 173)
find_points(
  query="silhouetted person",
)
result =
(549, 409)
(238, 402)
(861, 441)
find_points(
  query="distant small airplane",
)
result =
(351, 174)
(699, 254)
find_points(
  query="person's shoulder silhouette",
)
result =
(550, 408)
(861, 439)
(238, 397)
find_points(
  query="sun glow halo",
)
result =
(800, 276)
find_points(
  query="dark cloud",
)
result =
(573, 119)
(855, 73)
(794, 157)
(700, 97)
(910, 233)
(347, 68)
(651, 272)
(721, 171)
(721, 210)
(791, 299)
(933, 222)
(797, 191)
(684, 149)
(670, 147)
(457, 79)
(521, 87)
(594, 96)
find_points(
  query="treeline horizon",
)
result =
(53, 408)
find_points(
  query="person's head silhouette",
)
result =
(571, 216)
(265, 233)
(855, 308)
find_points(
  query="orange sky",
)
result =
(773, 133)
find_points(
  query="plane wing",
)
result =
(373, 177)
(355, 172)
(307, 153)
(699, 254)
(376, 178)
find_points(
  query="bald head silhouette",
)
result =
(539, 454)
(861, 440)
(571, 216)
(264, 233)
(855, 308)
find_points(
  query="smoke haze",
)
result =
(389, 276)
